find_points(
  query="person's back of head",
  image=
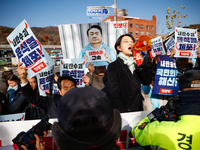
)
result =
(86, 121)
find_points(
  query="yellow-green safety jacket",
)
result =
(181, 135)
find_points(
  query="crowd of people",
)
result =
(117, 88)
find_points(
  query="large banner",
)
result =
(186, 42)
(28, 49)
(165, 82)
(12, 117)
(91, 41)
(8, 131)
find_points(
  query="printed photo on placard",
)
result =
(186, 42)
(93, 42)
(28, 49)
(74, 68)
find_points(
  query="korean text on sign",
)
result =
(28, 49)
(186, 42)
(74, 68)
(165, 82)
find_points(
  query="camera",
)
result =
(28, 138)
(166, 113)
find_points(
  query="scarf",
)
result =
(11, 91)
(128, 61)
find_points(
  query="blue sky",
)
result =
(41, 13)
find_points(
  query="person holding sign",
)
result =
(65, 83)
(97, 77)
(20, 104)
(125, 77)
(97, 52)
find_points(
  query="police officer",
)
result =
(159, 131)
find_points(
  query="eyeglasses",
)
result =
(127, 41)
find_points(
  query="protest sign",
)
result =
(186, 42)
(55, 88)
(165, 82)
(45, 80)
(28, 49)
(76, 42)
(12, 117)
(74, 68)
(169, 45)
(157, 46)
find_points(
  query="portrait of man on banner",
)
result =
(96, 51)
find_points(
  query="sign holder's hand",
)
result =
(91, 68)
(22, 73)
(107, 55)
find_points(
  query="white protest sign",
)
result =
(186, 42)
(157, 47)
(95, 55)
(169, 45)
(28, 49)
(74, 68)
(12, 117)
(45, 80)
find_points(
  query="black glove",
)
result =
(172, 105)
(165, 113)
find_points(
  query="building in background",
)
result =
(136, 26)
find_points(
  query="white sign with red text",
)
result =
(186, 42)
(95, 55)
(28, 49)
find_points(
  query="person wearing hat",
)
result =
(160, 129)
(86, 120)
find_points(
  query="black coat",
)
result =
(20, 104)
(49, 104)
(124, 88)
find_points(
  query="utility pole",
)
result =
(115, 10)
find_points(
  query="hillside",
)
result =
(46, 35)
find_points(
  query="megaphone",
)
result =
(142, 44)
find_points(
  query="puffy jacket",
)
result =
(183, 134)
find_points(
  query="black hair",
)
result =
(6, 73)
(13, 77)
(58, 74)
(94, 26)
(65, 77)
(118, 42)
